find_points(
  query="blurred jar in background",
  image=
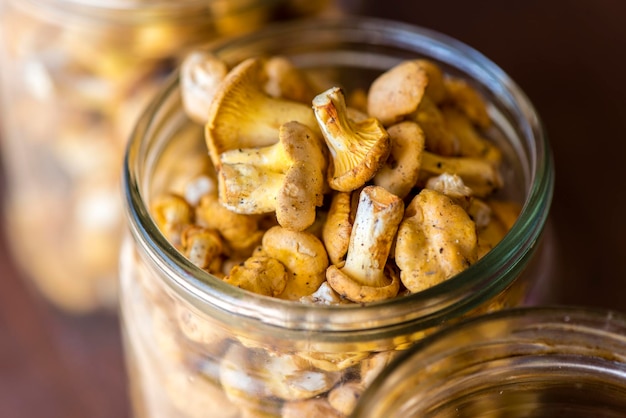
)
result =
(75, 74)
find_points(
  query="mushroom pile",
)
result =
(320, 195)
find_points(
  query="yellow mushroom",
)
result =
(243, 115)
(439, 138)
(480, 175)
(286, 178)
(202, 246)
(452, 186)
(471, 143)
(251, 375)
(338, 226)
(241, 233)
(494, 218)
(324, 295)
(462, 95)
(357, 149)
(285, 80)
(200, 76)
(345, 396)
(303, 256)
(401, 170)
(172, 214)
(259, 274)
(436, 88)
(436, 240)
(397, 92)
(366, 276)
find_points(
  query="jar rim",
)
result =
(490, 275)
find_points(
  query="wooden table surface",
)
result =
(569, 57)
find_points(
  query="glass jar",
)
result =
(195, 344)
(524, 362)
(75, 74)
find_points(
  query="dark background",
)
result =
(568, 56)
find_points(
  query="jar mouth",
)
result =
(490, 275)
(525, 351)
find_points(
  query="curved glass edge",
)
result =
(459, 294)
(553, 331)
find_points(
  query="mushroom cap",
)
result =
(338, 226)
(401, 170)
(435, 88)
(243, 115)
(287, 81)
(439, 138)
(304, 256)
(303, 186)
(358, 149)
(397, 92)
(201, 245)
(287, 177)
(200, 76)
(466, 98)
(479, 174)
(452, 186)
(355, 291)
(259, 274)
(241, 232)
(471, 143)
(436, 240)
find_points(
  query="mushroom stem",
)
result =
(377, 218)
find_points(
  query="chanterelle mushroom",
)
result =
(303, 256)
(471, 143)
(287, 81)
(479, 174)
(241, 233)
(200, 76)
(436, 88)
(358, 149)
(243, 115)
(338, 226)
(201, 245)
(287, 177)
(397, 92)
(401, 170)
(452, 186)
(262, 275)
(439, 138)
(436, 240)
(462, 95)
(172, 214)
(366, 276)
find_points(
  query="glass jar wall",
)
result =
(525, 362)
(75, 74)
(195, 343)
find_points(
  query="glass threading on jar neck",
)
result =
(378, 44)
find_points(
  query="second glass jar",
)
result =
(195, 344)
(525, 362)
(75, 75)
